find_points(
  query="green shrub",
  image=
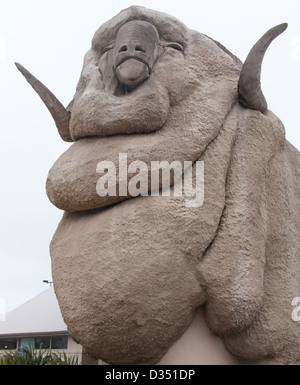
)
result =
(29, 356)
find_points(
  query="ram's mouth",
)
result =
(132, 71)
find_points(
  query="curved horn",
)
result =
(249, 88)
(60, 115)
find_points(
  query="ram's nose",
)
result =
(131, 48)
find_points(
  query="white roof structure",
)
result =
(40, 315)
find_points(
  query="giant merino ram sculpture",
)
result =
(129, 272)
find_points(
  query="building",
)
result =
(39, 322)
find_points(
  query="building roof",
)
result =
(40, 315)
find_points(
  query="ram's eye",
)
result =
(176, 46)
(106, 49)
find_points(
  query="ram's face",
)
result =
(131, 77)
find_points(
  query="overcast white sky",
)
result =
(50, 38)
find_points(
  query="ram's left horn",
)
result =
(60, 115)
(249, 89)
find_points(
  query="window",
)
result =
(59, 342)
(42, 343)
(8, 344)
(55, 342)
(26, 342)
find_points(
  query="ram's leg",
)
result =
(233, 266)
(274, 335)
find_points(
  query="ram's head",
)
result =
(129, 272)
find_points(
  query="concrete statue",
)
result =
(130, 269)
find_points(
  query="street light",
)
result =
(49, 282)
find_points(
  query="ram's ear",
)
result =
(249, 89)
(60, 115)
